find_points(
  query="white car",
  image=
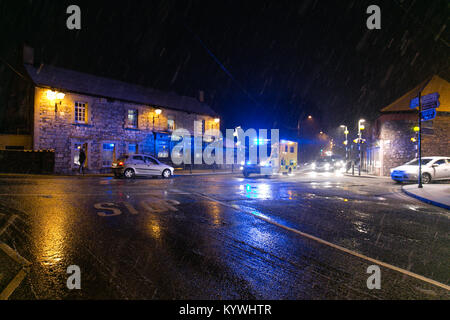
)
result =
(433, 168)
(130, 166)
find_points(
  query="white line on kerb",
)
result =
(335, 246)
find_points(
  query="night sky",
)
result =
(283, 60)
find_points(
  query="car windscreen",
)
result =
(416, 162)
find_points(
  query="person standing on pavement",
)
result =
(82, 160)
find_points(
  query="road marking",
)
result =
(8, 223)
(6, 293)
(335, 246)
(107, 206)
(14, 255)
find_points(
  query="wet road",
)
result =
(220, 237)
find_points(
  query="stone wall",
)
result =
(55, 128)
(397, 148)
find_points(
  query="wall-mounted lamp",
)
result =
(56, 97)
(216, 120)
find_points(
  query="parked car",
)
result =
(433, 168)
(129, 166)
(328, 163)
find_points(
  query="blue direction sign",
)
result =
(429, 101)
(414, 103)
(428, 114)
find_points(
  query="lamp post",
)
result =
(360, 128)
(346, 141)
(157, 112)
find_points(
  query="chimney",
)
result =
(201, 96)
(28, 54)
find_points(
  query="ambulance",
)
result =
(282, 160)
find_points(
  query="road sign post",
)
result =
(420, 142)
(427, 111)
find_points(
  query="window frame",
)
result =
(128, 124)
(85, 108)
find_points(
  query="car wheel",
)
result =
(166, 174)
(129, 173)
(426, 178)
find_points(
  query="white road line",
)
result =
(6, 293)
(351, 252)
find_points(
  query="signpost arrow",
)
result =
(428, 114)
(429, 101)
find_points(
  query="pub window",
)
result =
(132, 118)
(170, 124)
(132, 148)
(108, 154)
(80, 112)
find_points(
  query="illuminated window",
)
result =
(132, 148)
(170, 124)
(108, 152)
(80, 112)
(291, 150)
(132, 118)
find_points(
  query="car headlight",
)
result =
(241, 168)
(313, 165)
(327, 166)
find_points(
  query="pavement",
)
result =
(436, 194)
(309, 236)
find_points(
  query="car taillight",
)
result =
(120, 163)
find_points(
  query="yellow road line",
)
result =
(5, 294)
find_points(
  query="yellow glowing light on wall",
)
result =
(55, 95)
(51, 95)
(158, 111)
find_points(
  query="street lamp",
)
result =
(157, 112)
(360, 128)
(346, 140)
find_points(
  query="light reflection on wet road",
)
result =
(208, 237)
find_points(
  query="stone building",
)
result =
(393, 139)
(107, 117)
